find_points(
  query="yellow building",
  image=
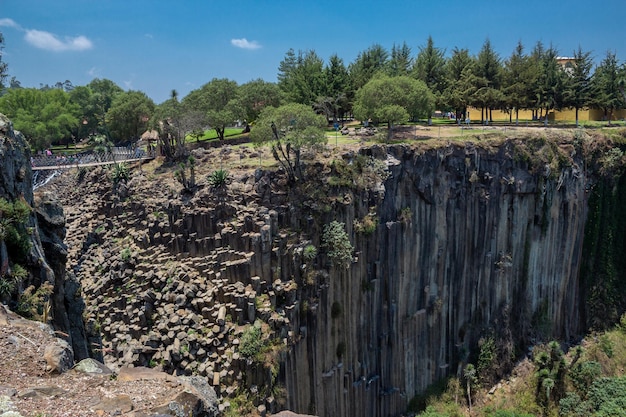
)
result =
(584, 115)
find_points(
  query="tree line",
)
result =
(389, 86)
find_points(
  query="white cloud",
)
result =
(94, 72)
(48, 41)
(10, 23)
(243, 43)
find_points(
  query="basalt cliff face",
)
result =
(38, 245)
(451, 244)
(470, 244)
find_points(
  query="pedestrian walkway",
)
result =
(53, 162)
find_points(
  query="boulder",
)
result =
(92, 366)
(200, 387)
(195, 399)
(59, 356)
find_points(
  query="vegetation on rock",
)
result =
(336, 241)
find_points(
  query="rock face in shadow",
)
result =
(45, 259)
(469, 244)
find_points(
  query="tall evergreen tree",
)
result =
(578, 93)
(552, 82)
(606, 86)
(337, 94)
(548, 89)
(536, 88)
(517, 80)
(286, 72)
(300, 76)
(459, 69)
(400, 62)
(430, 67)
(367, 63)
(488, 72)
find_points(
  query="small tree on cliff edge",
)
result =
(288, 129)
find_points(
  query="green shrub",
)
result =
(337, 244)
(126, 254)
(507, 413)
(583, 374)
(572, 406)
(406, 215)
(487, 358)
(18, 272)
(251, 341)
(35, 303)
(7, 286)
(611, 162)
(362, 172)
(622, 323)
(188, 182)
(605, 397)
(13, 221)
(17, 211)
(606, 345)
(368, 225)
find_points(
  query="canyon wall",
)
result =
(42, 253)
(469, 244)
(452, 244)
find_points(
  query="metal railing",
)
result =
(42, 162)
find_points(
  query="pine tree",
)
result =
(578, 93)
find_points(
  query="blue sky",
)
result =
(159, 45)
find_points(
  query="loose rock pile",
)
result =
(40, 378)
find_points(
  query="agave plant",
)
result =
(120, 173)
(218, 179)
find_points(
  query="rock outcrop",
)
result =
(35, 379)
(45, 253)
(452, 244)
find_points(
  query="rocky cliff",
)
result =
(32, 251)
(449, 245)
(470, 244)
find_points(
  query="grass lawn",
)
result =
(211, 134)
(68, 150)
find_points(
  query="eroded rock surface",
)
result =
(452, 243)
